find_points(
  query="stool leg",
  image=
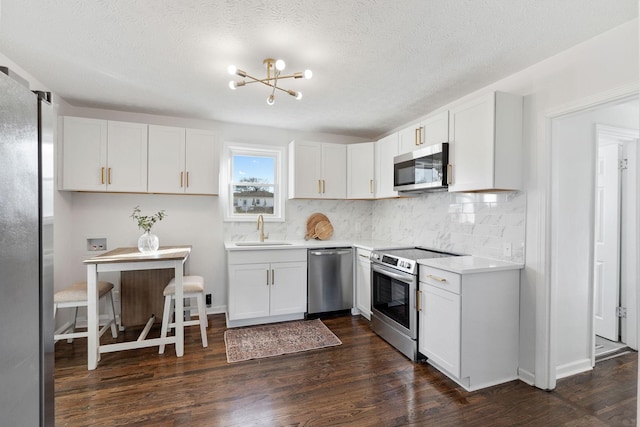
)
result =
(202, 317)
(73, 325)
(166, 315)
(114, 328)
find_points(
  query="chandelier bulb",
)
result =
(280, 65)
(233, 85)
(308, 74)
(299, 96)
(271, 99)
(232, 69)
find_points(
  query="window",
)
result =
(253, 182)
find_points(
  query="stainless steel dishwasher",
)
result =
(329, 280)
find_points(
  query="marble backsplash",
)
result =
(468, 223)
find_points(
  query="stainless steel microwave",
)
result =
(425, 169)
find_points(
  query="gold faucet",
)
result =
(261, 228)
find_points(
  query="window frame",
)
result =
(278, 153)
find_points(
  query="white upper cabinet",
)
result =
(360, 171)
(486, 144)
(166, 159)
(182, 160)
(202, 162)
(385, 150)
(317, 170)
(434, 129)
(101, 155)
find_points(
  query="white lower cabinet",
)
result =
(469, 325)
(266, 286)
(363, 282)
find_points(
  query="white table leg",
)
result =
(92, 316)
(179, 310)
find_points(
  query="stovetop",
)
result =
(405, 259)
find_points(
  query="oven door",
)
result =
(393, 296)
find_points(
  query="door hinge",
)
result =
(623, 164)
(621, 311)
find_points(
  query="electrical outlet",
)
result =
(208, 299)
(506, 250)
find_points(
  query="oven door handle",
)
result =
(400, 277)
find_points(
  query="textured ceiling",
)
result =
(377, 64)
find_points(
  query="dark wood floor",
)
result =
(363, 382)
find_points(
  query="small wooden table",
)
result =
(126, 259)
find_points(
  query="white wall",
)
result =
(573, 190)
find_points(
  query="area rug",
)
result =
(256, 342)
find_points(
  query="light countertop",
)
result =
(306, 244)
(469, 264)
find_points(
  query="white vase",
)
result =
(148, 242)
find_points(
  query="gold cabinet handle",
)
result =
(319, 187)
(449, 173)
(181, 177)
(416, 139)
(419, 300)
(439, 279)
(102, 175)
(187, 179)
(421, 136)
(267, 277)
(324, 189)
(273, 277)
(109, 176)
(371, 186)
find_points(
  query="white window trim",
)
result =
(280, 184)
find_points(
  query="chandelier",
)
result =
(274, 68)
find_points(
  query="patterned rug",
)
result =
(256, 342)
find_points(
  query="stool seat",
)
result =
(193, 287)
(189, 284)
(78, 292)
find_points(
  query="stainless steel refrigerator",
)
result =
(26, 254)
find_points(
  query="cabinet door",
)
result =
(288, 288)
(127, 157)
(472, 136)
(166, 159)
(436, 129)
(363, 283)
(248, 291)
(408, 138)
(334, 171)
(439, 328)
(360, 169)
(202, 162)
(305, 170)
(84, 154)
(385, 150)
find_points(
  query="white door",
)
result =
(607, 242)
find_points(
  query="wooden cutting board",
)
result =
(324, 230)
(312, 221)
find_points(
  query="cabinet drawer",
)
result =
(440, 278)
(363, 254)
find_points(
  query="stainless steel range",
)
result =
(394, 282)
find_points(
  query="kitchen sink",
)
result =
(272, 243)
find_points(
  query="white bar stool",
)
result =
(193, 287)
(76, 296)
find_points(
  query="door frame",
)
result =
(546, 297)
